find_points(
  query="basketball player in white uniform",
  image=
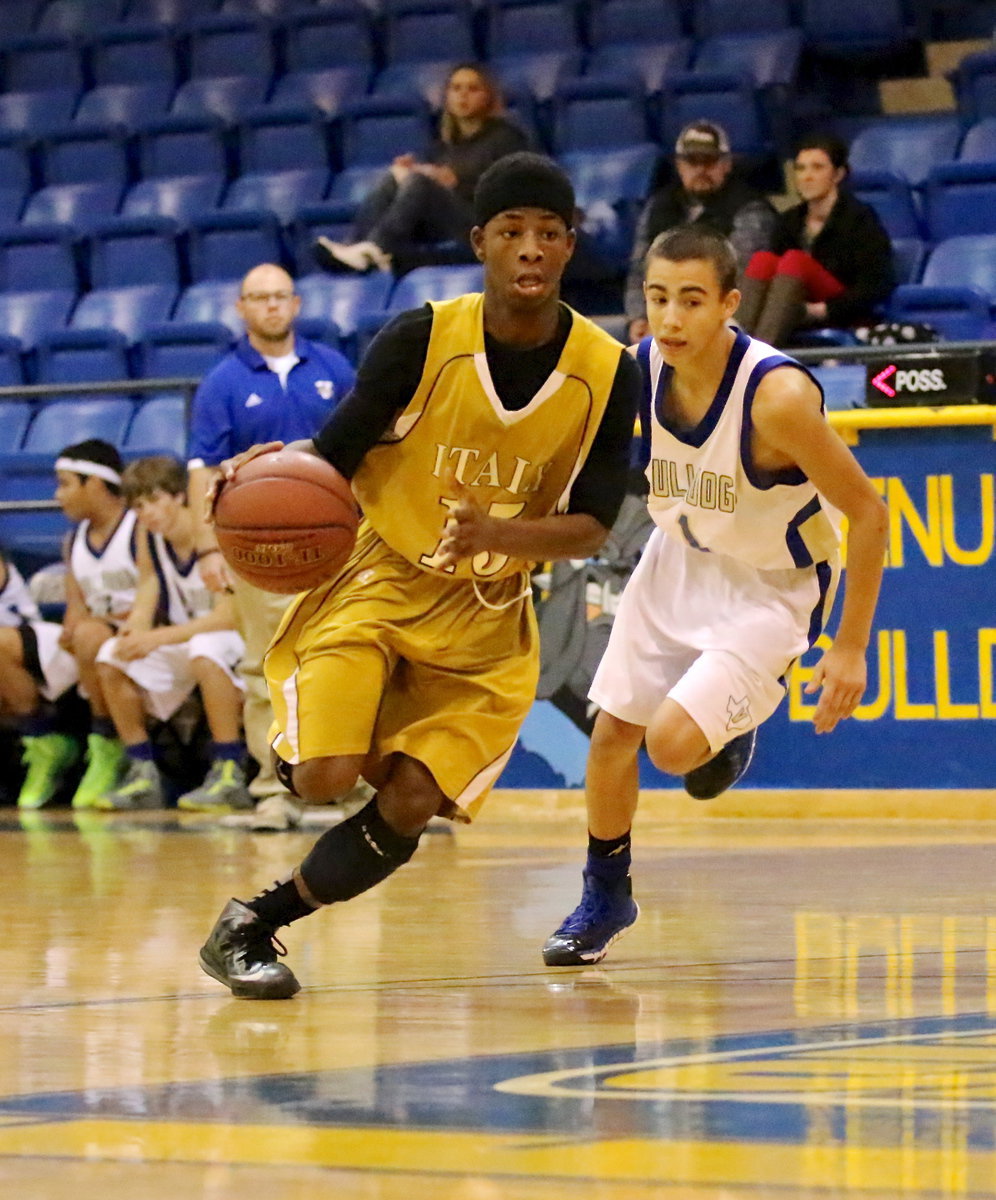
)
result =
(34, 672)
(747, 482)
(100, 590)
(180, 636)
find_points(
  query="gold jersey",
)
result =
(517, 463)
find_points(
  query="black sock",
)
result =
(352, 857)
(280, 904)
(609, 859)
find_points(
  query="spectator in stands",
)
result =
(178, 637)
(101, 580)
(707, 192)
(273, 386)
(35, 671)
(830, 262)
(430, 199)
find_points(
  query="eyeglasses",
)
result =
(266, 297)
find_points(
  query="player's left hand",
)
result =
(135, 644)
(465, 531)
(843, 676)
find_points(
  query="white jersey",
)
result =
(706, 490)
(185, 595)
(107, 577)
(16, 602)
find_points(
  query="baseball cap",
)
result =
(702, 139)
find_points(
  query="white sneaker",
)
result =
(275, 814)
(358, 256)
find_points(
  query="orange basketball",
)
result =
(286, 521)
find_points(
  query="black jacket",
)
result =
(854, 247)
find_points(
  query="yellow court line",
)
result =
(831, 1166)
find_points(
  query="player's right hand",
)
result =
(228, 468)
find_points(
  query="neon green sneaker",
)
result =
(223, 791)
(47, 758)
(105, 759)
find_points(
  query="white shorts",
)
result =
(56, 667)
(165, 676)
(713, 634)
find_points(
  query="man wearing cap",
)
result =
(484, 434)
(706, 192)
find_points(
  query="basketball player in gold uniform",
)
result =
(484, 434)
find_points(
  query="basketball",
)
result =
(286, 521)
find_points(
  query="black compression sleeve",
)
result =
(385, 381)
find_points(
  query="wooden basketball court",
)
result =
(806, 1009)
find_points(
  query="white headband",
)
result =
(82, 466)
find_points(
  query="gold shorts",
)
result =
(389, 658)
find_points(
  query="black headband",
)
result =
(523, 180)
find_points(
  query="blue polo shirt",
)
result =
(241, 402)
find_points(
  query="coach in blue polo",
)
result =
(272, 386)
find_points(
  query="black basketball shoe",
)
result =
(722, 770)
(241, 953)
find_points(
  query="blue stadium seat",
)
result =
(129, 310)
(27, 315)
(78, 206)
(75, 17)
(11, 204)
(960, 198)
(435, 283)
(892, 197)
(974, 83)
(598, 114)
(979, 142)
(80, 356)
(343, 300)
(421, 30)
(210, 301)
(957, 313)
(714, 17)
(11, 374)
(131, 251)
(519, 28)
(968, 261)
(908, 257)
(15, 416)
(908, 146)
(225, 245)
(179, 199)
(729, 100)
(73, 420)
(124, 107)
(84, 156)
(19, 18)
(272, 141)
(609, 187)
(653, 63)
(633, 22)
(166, 13)
(283, 193)
(35, 537)
(322, 92)
(182, 146)
(336, 34)
(375, 130)
(227, 97)
(39, 62)
(843, 386)
(134, 54)
(849, 27)
(36, 111)
(181, 350)
(771, 58)
(37, 258)
(159, 426)
(541, 74)
(216, 41)
(421, 81)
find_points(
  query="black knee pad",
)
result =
(284, 771)
(355, 856)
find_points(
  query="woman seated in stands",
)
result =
(430, 199)
(831, 259)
